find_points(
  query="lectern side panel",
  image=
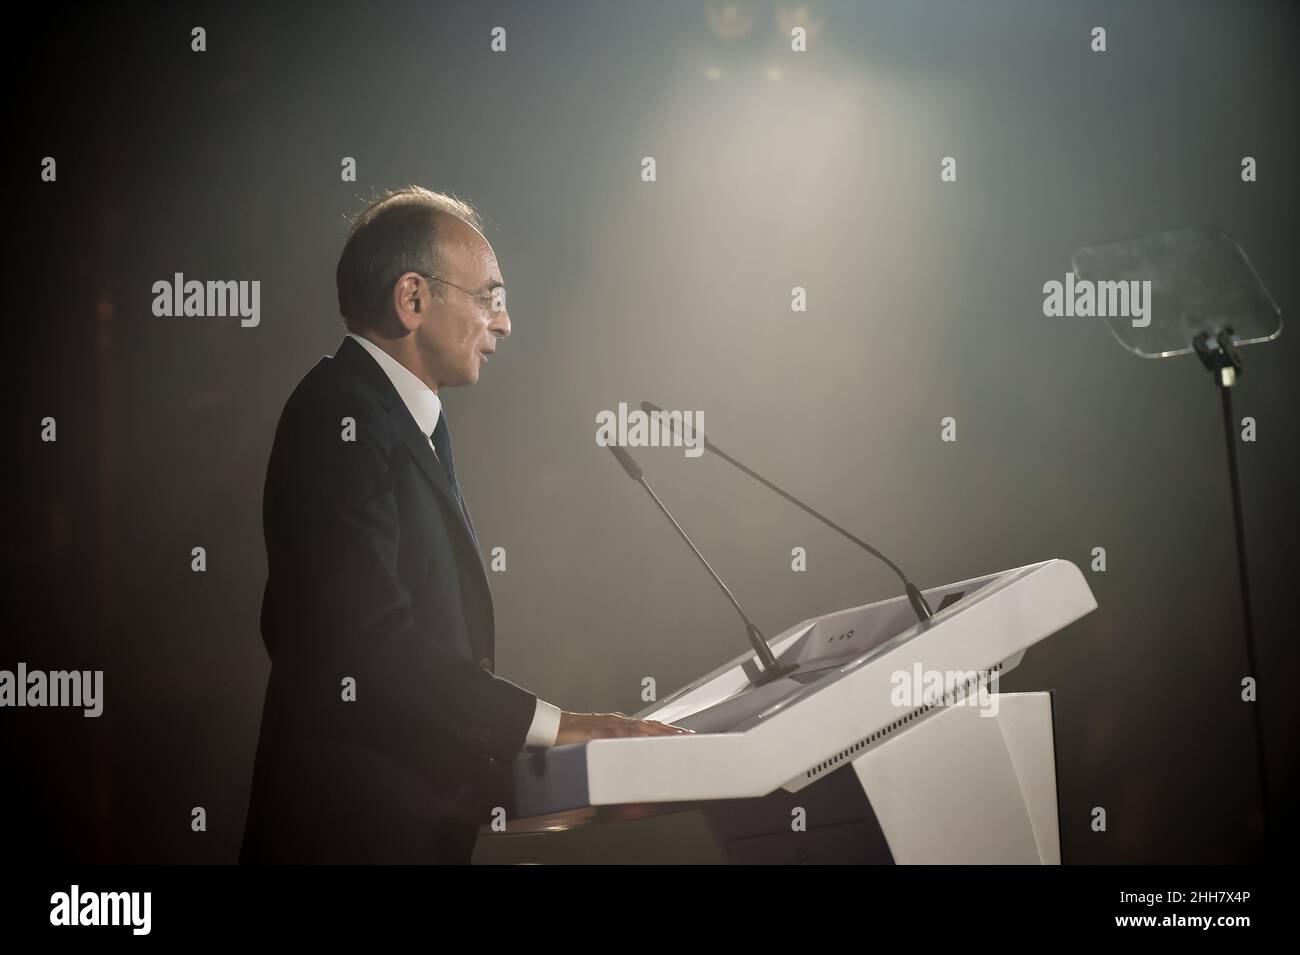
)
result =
(1026, 723)
(947, 792)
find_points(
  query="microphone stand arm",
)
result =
(771, 669)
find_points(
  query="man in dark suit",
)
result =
(386, 736)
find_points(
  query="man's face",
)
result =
(461, 328)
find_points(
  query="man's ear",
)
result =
(406, 303)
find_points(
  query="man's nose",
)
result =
(500, 324)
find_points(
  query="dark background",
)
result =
(925, 301)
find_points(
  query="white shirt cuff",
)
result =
(546, 726)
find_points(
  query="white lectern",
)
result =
(889, 742)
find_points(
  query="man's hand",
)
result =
(580, 727)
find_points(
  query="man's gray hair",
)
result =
(395, 233)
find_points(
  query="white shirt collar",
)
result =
(421, 400)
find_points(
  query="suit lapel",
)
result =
(433, 469)
(356, 359)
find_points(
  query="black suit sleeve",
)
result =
(333, 539)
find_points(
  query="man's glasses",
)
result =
(486, 300)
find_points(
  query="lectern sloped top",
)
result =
(864, 674)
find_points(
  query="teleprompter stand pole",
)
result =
(1224, 362)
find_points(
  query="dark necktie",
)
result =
(441, 439)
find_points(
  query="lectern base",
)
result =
(959, 787)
